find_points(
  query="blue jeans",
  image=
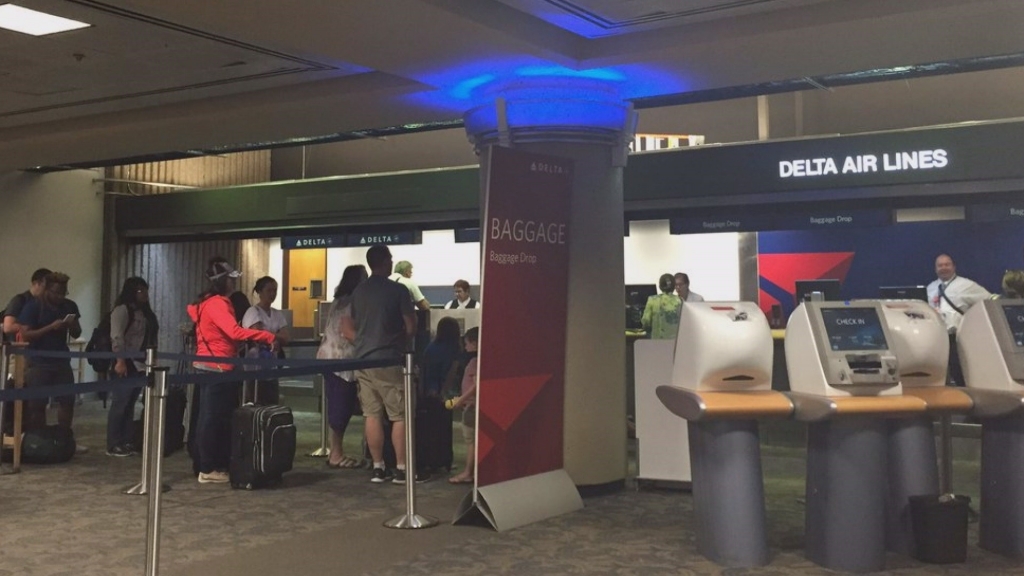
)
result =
(213, 437)
(121, 416)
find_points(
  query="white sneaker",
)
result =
(214, 477)
(79, 449)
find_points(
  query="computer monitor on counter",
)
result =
(903, 293)
(807, 289)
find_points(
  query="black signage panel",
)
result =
(388, 238)
(831, 219)
(997, 212)
(933, 155)
(791, 220)
(720, 223)
(321, 241)
(467, 234)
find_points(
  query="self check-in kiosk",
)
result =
(920, 341)
(991, 345)
(844, 373)
(721, 384)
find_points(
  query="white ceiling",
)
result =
(154, 76)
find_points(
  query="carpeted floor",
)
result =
(72, 519)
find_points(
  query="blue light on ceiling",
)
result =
(476, 83)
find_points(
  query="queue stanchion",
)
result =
(142, 488)
(410, 520)
(156, 424)
(946, 454)
(4, 358)
(324, 450)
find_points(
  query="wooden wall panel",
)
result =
(174, 271)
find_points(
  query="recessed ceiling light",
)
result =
(36, 23)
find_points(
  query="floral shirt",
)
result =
(661, 316)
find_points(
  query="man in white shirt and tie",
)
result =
(951, 296)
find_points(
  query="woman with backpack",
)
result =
(133, 328)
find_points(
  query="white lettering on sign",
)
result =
(720, 225)
(311, 242)
(865, 163)
(379, 239)
(527, 231)
(850, 321)
(1018, 212)
(547, 168)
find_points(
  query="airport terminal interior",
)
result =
(809, 211)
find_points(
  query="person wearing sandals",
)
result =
(133, 327)
(341, 387)
(218, 334)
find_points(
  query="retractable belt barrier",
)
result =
(269, 368)
(156, 383)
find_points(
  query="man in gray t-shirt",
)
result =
(381, 324)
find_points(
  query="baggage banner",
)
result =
(524, 281)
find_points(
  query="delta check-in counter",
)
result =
(991, 345)
(721, 385)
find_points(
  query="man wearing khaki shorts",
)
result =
(381, 325)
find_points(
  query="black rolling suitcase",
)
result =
(262, 445)
(433, 434)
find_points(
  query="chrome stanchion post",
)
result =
(946, 454)
(142, 488)
(156, 418)
(3, 386)
(410, 520)
(324, 450)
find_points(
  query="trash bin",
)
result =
(940, 527)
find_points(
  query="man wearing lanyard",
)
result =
(951, 296)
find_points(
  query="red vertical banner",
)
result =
(524, 286)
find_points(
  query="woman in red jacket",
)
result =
(218, 334)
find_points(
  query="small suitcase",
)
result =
(433, 434)
(262, 447)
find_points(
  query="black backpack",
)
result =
(100, 342)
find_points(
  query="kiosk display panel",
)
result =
(1015, 319)
(853, 329)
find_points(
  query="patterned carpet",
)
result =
(72, 519)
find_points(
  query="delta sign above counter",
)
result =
(843, 167)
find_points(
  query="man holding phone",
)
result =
(45, 323)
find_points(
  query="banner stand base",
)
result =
(519, 502)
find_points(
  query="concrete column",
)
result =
(595, 378)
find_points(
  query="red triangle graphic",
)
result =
(502, 400)
(784, 270)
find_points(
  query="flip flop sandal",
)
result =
(346, 463)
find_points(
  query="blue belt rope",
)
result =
(308, 367)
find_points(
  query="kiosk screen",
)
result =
(853, 329)
(1015, 318)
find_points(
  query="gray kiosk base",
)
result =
(846, 479)
(728, 492)
(913, 471)
(1002, 486)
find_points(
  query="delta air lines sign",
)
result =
(903, 161)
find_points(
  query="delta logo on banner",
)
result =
(521, 359)
(778, 274)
